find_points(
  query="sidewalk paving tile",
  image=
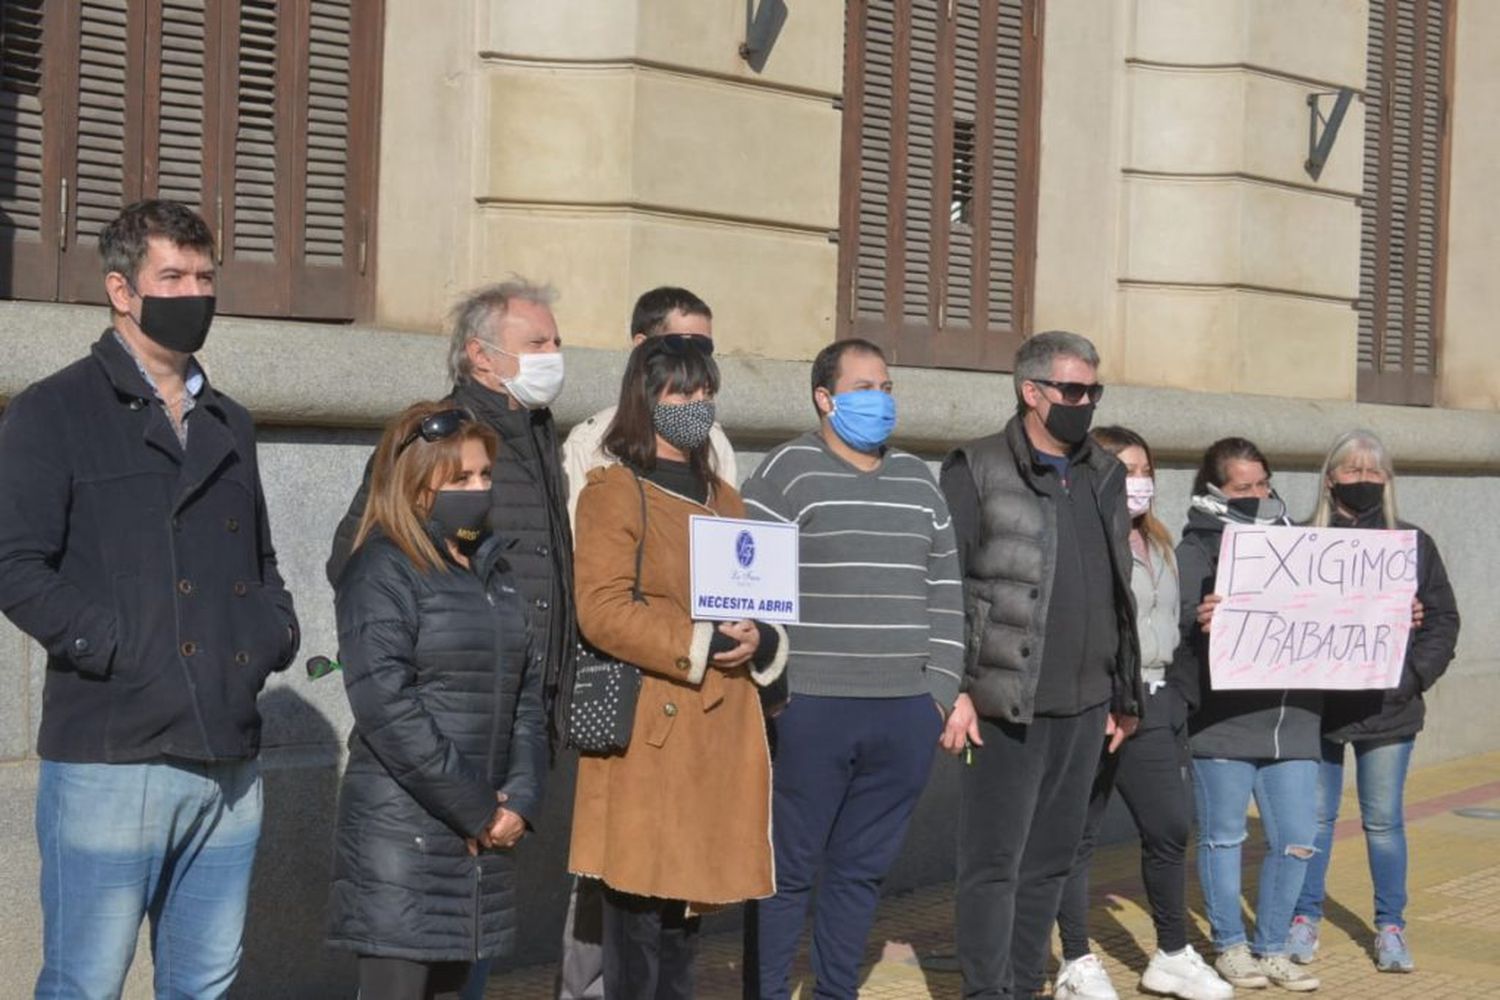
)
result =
(1453, 916)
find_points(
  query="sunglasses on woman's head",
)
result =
(679, 342)
(436, 426)
(1072, 393)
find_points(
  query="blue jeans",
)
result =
(1380, 775)
(1286, 793)
(172, 841)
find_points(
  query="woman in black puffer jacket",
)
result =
(449, 745)
(1359, 491)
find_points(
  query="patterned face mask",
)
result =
(684, 425)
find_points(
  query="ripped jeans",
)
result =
(1286, 795)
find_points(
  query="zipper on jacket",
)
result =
(478, 898)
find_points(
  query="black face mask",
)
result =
(1360, 498)
(1263, 510)
(463, 517)
(177, 322)
(1070, 424)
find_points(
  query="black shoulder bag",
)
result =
(601, 709)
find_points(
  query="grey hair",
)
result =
(1358, 442)
(473, 317)
(1035, 356)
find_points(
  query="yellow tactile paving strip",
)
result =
(1453, 916)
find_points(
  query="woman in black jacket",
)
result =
(1359, 491)
(1261, 743)
(449, 743)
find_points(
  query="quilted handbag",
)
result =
(601, 707)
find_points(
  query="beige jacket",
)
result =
(582, 451)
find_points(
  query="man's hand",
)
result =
(961, 728)
(748, 637)
(1119, 728)
(1206, 610)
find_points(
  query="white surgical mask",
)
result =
(539, 380)
(1138, 493)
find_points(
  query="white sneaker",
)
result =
(1281, 971)
(1239, 968)
(1184, 975)
(1084, 979)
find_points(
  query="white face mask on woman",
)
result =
(537, 382)
(1138, 493)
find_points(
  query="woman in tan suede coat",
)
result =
(681, 820)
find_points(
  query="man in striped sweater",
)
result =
(874, 668)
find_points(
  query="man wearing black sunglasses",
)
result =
(1053, 666)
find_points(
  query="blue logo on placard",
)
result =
(744, 549)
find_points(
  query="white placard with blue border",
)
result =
(744, 569)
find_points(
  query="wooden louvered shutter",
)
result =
(336, 115)
(260, 114)
(29, 134)
(1401, 234)
(939, 179)
(102, 150)
(299, 153)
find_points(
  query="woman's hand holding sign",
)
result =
(746, 635)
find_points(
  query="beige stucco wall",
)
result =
(1469, 365)
(611, 145)
(629, 146)
(1237, 270)
(426, 216)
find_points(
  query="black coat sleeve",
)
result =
(528, 746)
(1195, 581)
(377, 619)
(343, 535)
(1431, 647)
(35, 487)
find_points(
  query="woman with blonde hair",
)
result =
(449, 747)
(1148, 769)
(1358, 490)
(680, 821)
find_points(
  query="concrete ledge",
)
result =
(308, 374)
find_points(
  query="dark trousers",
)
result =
(847, 775)
(649, 948)
(1024, 799)
(1150, 770)
(402, 979)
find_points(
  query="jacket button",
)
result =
(188, 648)
(80, 645)
(1015, 711)
(137, 403)
(669, 709)
(184, 586)
(242, 658)
(1025, 651)
(1035, 593)
(232, 524)
(683, 663)
(543, 551)
(542, 604)
(240, 590)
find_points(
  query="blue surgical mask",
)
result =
(863, 419)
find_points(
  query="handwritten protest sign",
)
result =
(1312, 608)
